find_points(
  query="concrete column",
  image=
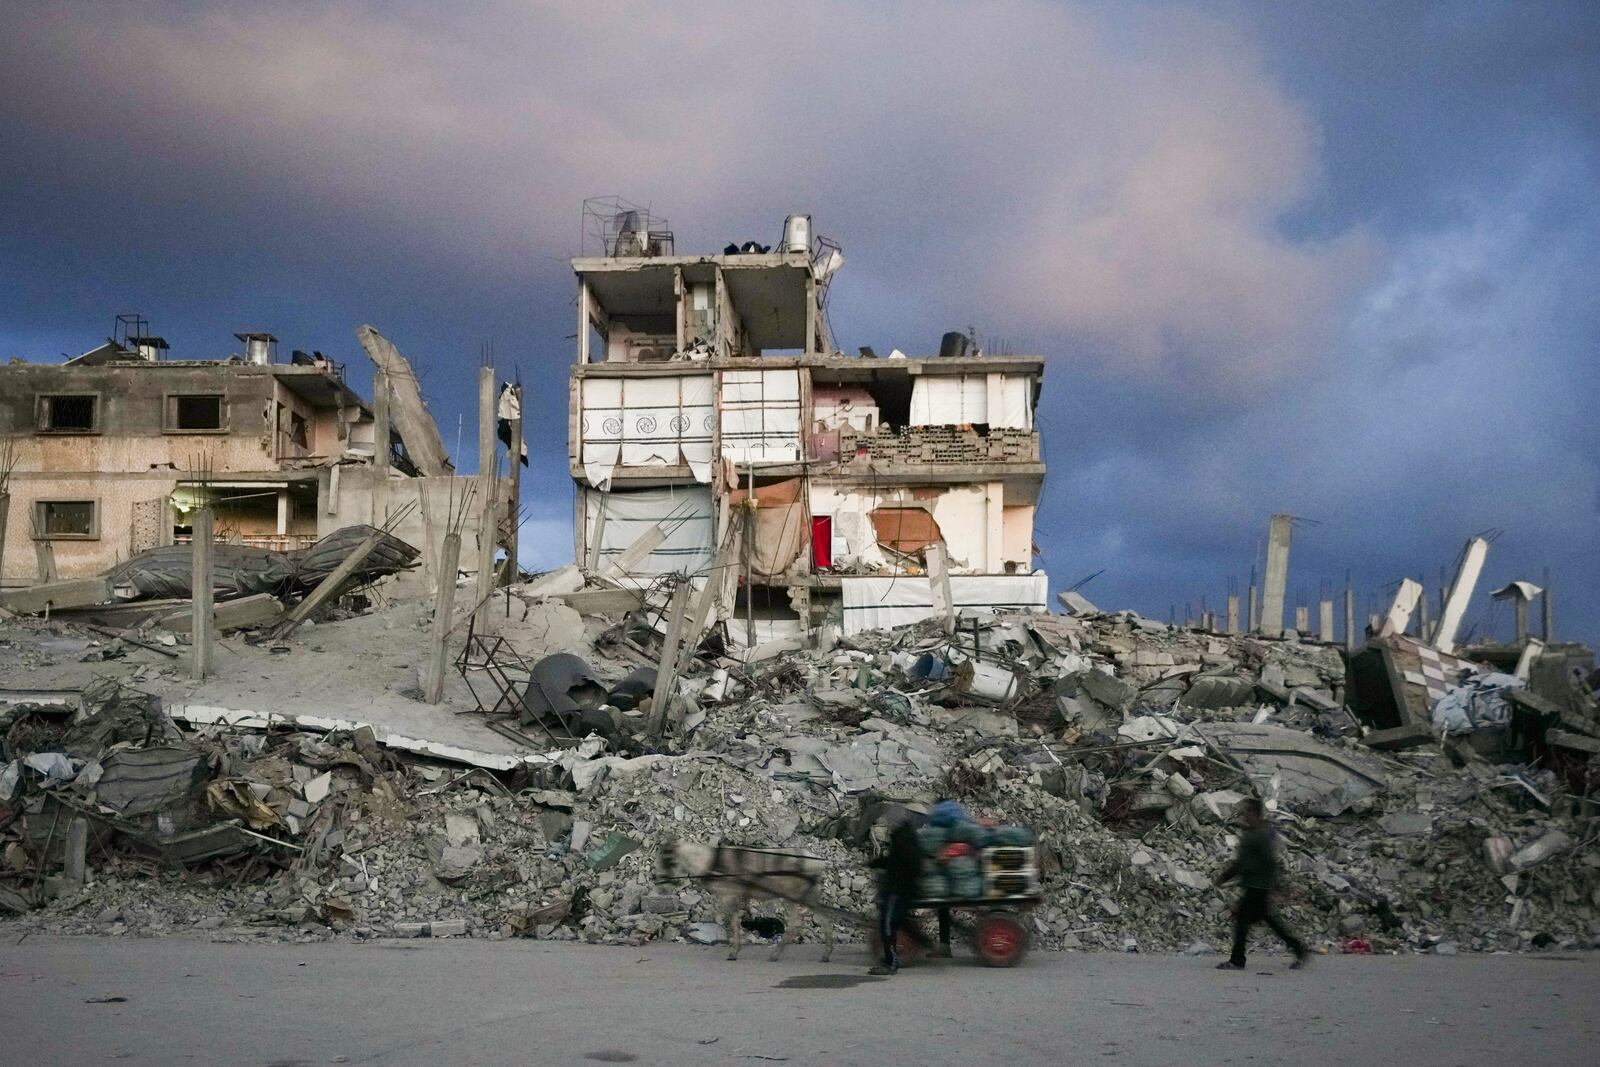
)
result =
(944, 608)
(515, 510)
(1233, 613)
(381, 445)
(201, 593)
(1455, 605)
(1325, 619)
(1522, 619)
(489, 521)
(444, 601)
(1277, 581)
(1546, 612)
(1255, 610)
(1349, 620)
(1424, 624)
(283, 512)
(75, 865)
(1302, 619)
(1401, 608)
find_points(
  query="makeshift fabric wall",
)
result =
(646, 422)
(761, 416)
(1000, 401)
(781, 523)
(872, 603)
(619, 518)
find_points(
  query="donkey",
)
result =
(739, 875)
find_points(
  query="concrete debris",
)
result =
(536, 800)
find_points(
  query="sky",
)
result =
(1334, 260)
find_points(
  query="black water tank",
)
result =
(954, 345)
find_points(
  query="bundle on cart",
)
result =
(969, 860)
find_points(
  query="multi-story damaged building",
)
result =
(709, 403)
(111, 451)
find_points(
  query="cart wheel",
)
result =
(1000, 939)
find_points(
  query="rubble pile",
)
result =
(1124, 744)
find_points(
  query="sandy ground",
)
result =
(490, 1003)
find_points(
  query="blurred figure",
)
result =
(1256, 867)
(899, 870)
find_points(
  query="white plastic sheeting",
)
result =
(683, 512)
(761, 416)
(646, 422)
(874, 603)
(1001, 401)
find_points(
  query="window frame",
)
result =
(169, 416)
(43, 408)
(40, 531)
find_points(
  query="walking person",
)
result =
(899, 870)
(1256, 867)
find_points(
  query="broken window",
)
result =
(69, 414)
(53, 519)
(198, 412)
(299, 430)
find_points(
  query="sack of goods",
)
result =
(967, 860)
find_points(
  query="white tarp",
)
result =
(1000, 401)
(646, 422)
(683, 512)
(875, 603)
(761, 416)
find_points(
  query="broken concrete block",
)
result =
(410, 929)
(1406, 823)
(317, 789)
(1180, 787)
(447, 928)
(1532, 855)
(1217, 805)
(461, 830)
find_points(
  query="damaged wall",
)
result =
(971, 518)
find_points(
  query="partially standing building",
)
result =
(713, 419)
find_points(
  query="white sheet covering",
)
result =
(646, 422)
(761, 416)
(875, 603)
(685, 512)
(1002, 401)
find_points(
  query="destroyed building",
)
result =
(110, 453)
(708, 399)
(365, 758)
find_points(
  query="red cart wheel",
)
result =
(1000, 939)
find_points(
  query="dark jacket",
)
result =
(1256, 864)
(900, 865)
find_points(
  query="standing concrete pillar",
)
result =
(1349, 620)
(1233, 613)
(1546, 613)
(1424, 624)
(513, 567)
(1277, 580)
(444, 602)
(1521, 608)
(1325, 621)
(201, 592)
(381, 447)
(489, 522)
(1255, 609)
(1455, 605)
(1302, 619)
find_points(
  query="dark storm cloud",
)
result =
(1330, 259)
